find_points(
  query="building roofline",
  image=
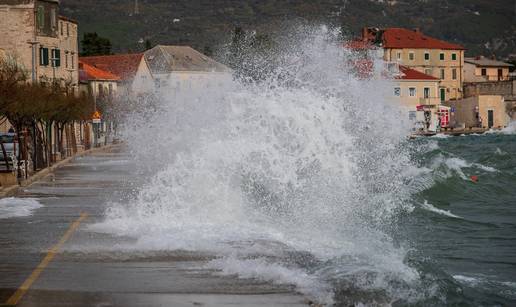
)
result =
(68, 19)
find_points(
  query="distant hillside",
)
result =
(484, 26)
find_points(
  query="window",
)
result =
(398, 55)
(56, 58)
(454, 74)
(441, 56)
(443, 94)
(454, 57)
(443, 75)
(53, 19)
(427, 56)
(66, 59)
(110, 89)
(101, 90)
(397, 91)
(426, 92)
(43, 56)
(411, 56)
(67, 29)
(428, 71)
(61, 27)
(484, 72)
(412, 91)
(72, 56)
(41, 17)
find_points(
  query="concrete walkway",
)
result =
(48, 259)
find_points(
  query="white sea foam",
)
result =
(311, 160)
(500, 152)
(467, 279)
(266, 270)
(455, 164)
(427, 206)
(441, 136)
(18, 207)
(510, 129)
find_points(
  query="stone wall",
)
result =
(506, 89)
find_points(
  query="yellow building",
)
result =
(414, 88)
(484, 111)
(482, 69)
(428, 55)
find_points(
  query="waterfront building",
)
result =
(483, 111)
(181, 67)
(135, 76)
(41, 40)
(428, 55)
(482, 69)
(103, 87)
(414, 88)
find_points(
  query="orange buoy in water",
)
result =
(474, 178)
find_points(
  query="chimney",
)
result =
(417, 30)
(493, 57)
(364, 34)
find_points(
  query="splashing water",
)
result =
(297, 179)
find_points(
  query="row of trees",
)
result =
(34, 108)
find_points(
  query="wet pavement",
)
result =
(87, 273)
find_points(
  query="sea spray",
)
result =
(307, 165)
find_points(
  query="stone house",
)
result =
(182, 67)
(43, 42)
(428, 55)
(482, 69)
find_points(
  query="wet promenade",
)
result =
(49, 258)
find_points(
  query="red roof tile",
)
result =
(89, 73)
(358, 45)
(411, 74)
(123, 65)
(405, 38)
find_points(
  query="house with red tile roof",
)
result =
(99, 83)
(132, 70)
(414, 88)
(425, 54)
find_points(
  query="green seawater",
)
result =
(463, 234)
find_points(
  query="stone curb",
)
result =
(13, 190)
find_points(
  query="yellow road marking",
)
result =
(17, 296)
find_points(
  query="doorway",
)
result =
(490, 119)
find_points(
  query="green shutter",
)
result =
(45, 57)
(58, 57)
(41, 17)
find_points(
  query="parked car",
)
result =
(11, 149)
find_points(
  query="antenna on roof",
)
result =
(136, 8)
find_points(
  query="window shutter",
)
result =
(41, 17)
(58, 57)
(41, 56)
(45, 57)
